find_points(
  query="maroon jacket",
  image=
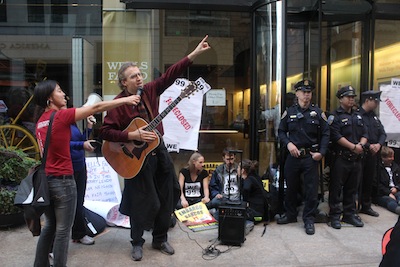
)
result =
(119, 118)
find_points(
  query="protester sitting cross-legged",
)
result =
(389, 181)
(193, 181)
(253, 191)
(224, 183)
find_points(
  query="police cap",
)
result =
(305, 85)
(372, 95)
(346, 91)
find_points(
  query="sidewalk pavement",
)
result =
(281, 245)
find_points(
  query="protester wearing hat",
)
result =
(304, 131)
(349, 135)
(376, 139)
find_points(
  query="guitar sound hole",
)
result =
(138, 143)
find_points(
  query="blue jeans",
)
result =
(388, 202)
(59, 218)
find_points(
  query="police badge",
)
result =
(330, 119)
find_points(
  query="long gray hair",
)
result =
(121, 73)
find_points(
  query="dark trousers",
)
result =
(345, 175)
(294, 167)
(368, 182)
(156, 180)
(160, 229)
(79, 229)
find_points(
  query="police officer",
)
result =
(376, 139)
(349, 137)
(304, 131)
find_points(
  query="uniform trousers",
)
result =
(368, 183)
(294, 167)
(345, 175)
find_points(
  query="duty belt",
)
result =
(350, 156)
(304, 152)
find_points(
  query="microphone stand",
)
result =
(229, 182)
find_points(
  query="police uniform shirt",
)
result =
(376, 131)
(304, 128)
(348, 125)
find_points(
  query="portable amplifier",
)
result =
(231, 224)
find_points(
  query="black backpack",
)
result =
(95, 224)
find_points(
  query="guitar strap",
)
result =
(147, 106)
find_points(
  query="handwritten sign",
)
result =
(102, 182)
(216, 97)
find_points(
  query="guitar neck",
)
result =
(156, 121)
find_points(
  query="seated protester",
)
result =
(224, 184)
(389, 181)
(193, 181)
(253, 191)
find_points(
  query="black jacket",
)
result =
(384, 179)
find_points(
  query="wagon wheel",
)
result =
(12, 135)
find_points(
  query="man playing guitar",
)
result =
(150, 197)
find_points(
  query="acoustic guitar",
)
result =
(127, 159)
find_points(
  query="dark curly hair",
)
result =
(250, 166)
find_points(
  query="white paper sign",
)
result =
(389, 113)
(182, 124)
(103, 192)
(102, 182)
(216, 97)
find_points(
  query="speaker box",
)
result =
(231, 224)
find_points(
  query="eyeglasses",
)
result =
(231, 158)
(136, 75)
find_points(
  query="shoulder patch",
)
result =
(284, 114)
(330, 119)
(324, 116)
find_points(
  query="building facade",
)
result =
(260, 49)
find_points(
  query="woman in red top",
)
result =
(49, 98)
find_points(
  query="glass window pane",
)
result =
(269, 66)
(3, 11)
(35, 11)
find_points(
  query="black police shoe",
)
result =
(310, 229)
(285, 220)
(369, 212)
(335, 223)
(353, 220)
